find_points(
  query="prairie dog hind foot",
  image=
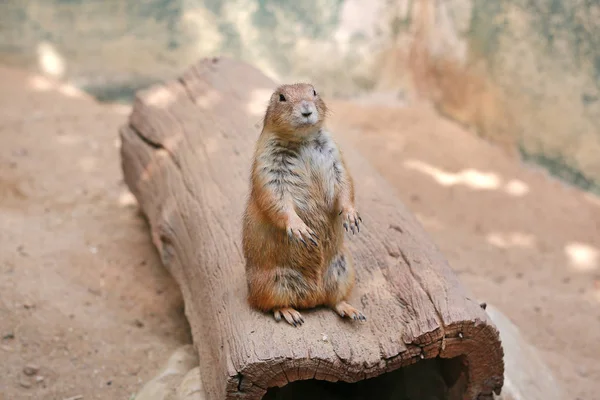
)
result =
(291, 316)
(345, 310)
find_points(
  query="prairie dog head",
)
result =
(295, 110)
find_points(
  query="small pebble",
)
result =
(22, 251)
(138, 323)
(31, 370)
(24, 383)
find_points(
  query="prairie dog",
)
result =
(301, 200)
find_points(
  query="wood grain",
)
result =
(186, 156)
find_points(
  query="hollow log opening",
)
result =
(433, 379)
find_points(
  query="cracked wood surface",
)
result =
(186, 156)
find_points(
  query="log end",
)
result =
(462, 361)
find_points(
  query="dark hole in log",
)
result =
(433, 379)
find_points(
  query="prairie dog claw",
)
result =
(290, 315)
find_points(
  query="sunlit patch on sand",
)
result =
(470, 177)
(70, 91)
(512, 239)
(582, 257)
(40, 84)
(49, 60)
(43, 84)
(516, 188)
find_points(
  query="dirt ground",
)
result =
(86, 308)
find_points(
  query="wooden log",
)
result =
(186, 156)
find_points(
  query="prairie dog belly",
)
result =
(318, 194)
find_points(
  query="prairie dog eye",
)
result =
(281, 97)
(314, 92)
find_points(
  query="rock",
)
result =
(166, 383)
(190, 387)
(24, 382)
(31, 369)
(526, 376)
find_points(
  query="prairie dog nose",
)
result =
(306, 108)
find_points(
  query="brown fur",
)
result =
(301, 199)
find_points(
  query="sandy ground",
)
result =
(83, 296)
(86, 305)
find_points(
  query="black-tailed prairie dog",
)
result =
(300, 203)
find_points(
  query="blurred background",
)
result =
(483, 115)
(521, 72)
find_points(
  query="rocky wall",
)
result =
(522, 73)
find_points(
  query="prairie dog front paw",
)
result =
(297, 229)
(351, 219)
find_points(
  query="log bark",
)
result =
(186, 156)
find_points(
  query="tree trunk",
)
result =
(186, 156)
